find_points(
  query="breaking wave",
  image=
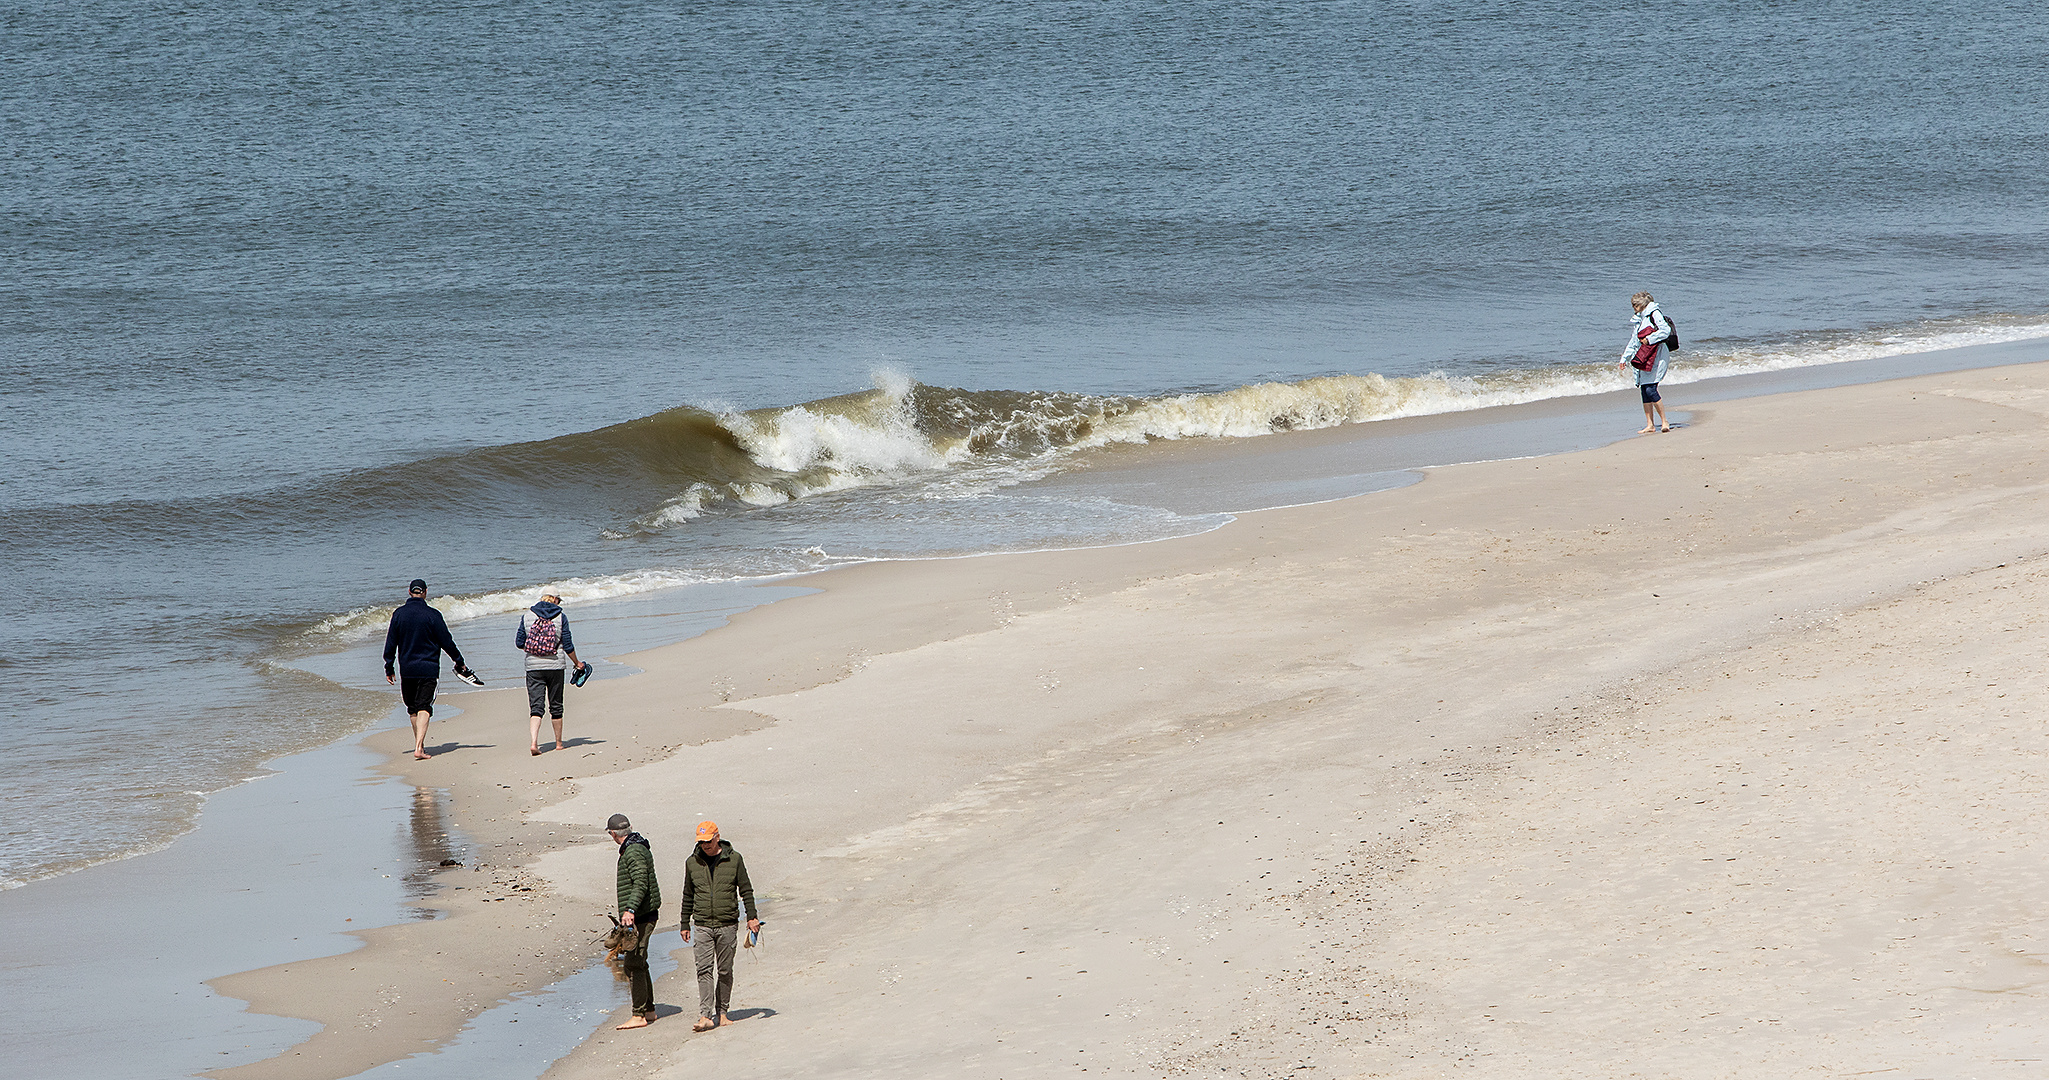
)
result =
(970, 440)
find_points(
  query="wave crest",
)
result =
(902, 429)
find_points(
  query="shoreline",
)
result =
(853, 630)
(979, 604)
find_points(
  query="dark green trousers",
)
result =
(636, 965)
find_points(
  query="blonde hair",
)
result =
(1641, 300)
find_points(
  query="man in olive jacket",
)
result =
(640, 901)
(714, 886)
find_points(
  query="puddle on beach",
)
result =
(435, 849)
(524, 1035)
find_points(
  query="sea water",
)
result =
(298, 303)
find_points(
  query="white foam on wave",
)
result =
(879, 438)
(1329, 401)
(688, 506)
(363, 622)
(858, 442)
(1849, 348)
(14, 879)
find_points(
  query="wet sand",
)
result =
(1699, 754)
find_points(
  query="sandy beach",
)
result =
(1701, 754)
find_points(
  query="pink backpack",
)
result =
(543, 637)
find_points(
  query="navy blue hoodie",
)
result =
(417, 637)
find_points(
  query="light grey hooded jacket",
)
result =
(559, 660)
(1661, 329)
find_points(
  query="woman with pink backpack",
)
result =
(543, 635)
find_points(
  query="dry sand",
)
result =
(1702, 754)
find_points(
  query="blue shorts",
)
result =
(1649, 391)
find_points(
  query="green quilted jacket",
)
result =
(639, 892)
(713, 888)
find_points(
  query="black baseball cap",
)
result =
(418, 585)
(618, 823)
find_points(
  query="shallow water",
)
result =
(288, 865)
(520, 1037)
(279, 870)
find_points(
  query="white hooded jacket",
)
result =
(1661, 328)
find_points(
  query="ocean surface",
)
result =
(297, 303)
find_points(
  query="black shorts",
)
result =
(419, 694)
(544, 693)
(1649, 391)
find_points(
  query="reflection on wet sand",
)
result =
(433, 850)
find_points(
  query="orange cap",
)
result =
(707, 830)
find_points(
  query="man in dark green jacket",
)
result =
(714, 886)
(640, 901)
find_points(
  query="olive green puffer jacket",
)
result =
(710, 887)
(639, 892)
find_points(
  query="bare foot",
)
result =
(636, 1022)
(724, 1019)
(704, 1023)
(1645, 430)
(534, 750)
(558, 746)
(1668, 427)
(420, 755)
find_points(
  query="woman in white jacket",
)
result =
(1649, 330)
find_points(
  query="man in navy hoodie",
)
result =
(416, 638)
